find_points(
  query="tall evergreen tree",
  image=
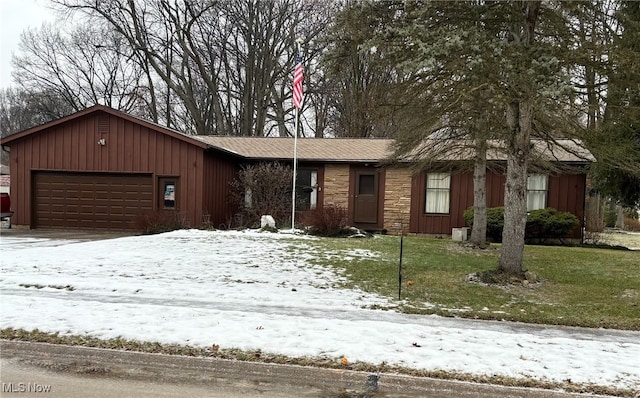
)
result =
(480, 58)
(617, 143)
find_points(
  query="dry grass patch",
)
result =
(262, 357)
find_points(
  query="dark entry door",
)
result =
(365, 207)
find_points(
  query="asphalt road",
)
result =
(56, 371)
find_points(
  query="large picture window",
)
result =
(537, 189)
(437, 193)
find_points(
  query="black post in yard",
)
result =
(400, 268)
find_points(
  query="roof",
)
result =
(101, 108)
(560, 150)
(346, 150)
(308, 149)
(565, 150)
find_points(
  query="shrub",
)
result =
(159, 221)
(631, 224)
(549, 224)
(261, 189)
(495, 222)
(541, 224)
(329, 220)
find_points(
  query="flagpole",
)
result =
(295, 171)
(295, 149)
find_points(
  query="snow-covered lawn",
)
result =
(254, 290)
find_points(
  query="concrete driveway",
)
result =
(57, 234)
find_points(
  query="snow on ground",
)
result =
(254, 290)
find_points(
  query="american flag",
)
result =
(297, 83)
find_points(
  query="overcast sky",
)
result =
(15, 17)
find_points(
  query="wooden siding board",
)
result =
(64, 149)
(414, 211)
(75, 152)
(187, 156)
(161, 164)
(117, 158)
(167, 160)
(495, 189)
(127, 142)
(136, 149)
(218, 173)
(83, 147)
(152, 151)
(50, 151)
(57, 149)
(34, 152)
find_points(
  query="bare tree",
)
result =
(228, 64)
(20, 110)
(85, 66)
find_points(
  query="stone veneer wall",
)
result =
(397, 200)
(336, 185)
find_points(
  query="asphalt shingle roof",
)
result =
(309, 149)
(376, 150)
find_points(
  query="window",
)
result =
(537, 188)
(367, 184)
(168, 193)
(438, 186)
(306, 189)
(248, 198)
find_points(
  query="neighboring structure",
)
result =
(5, 179)
(101, 168)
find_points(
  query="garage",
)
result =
(110, 201)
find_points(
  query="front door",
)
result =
(365, 207)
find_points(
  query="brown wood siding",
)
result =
(219, 173)
(566, 193)
(461, 197)
(495, 189)
(90, 200)
(129, 148)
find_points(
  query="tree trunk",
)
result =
(479, 230)
(619, 217)
(519, 121)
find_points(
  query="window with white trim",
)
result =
(248, 198)
(307, 189)
(437, 193)
(537, 190)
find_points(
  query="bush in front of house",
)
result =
(549, 223)
(155, 222)
(262, 189)
(329, 220)
(495, 222)
(541, 225)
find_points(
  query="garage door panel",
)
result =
(90, 200)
